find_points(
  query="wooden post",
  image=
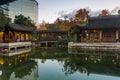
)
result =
(20, 36)
(46, 44)
(100, 35)
(15, 36)
(24, 36)
(116, 34)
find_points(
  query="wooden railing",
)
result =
(95, 45)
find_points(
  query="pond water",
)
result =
(61, 64)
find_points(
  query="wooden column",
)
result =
(116, 34)
(28, 36)
(24, 36)
(46, 44)
(100, 35)
(20, 36)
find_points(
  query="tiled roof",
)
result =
(20, 28)
(107, 22)
(52, 31)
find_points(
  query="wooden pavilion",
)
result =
(51, 35)
(100, 29)
(99, 33)
(15, 39)
(48, 38)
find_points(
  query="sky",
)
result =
(50, 10)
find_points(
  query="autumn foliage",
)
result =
(69, 24)
(81, 14)
(104, 12)
(42, 27)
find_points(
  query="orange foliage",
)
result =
(43, 27)
(82, 14)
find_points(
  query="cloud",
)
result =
(62, 12)
(71, 13)
(115, 10)
(112, 12)
(94, 13)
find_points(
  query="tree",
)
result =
(63, 24)
(22, 20)
(119, 12)
(42, 26)
(81, 15)
(104, 12)
(3, 20)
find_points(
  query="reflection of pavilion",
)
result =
(84, 61)
(51, 35)
(15, 39)
(99, 33)
(18, 67)
(94, 62)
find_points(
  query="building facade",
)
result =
(4, 8)
(15, 40)
(28, 8)
(24, 7)
(100, 29)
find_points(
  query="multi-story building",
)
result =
(4, 8)
(28, 8)
(24, 7)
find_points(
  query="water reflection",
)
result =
(86, 62)
(107, 65)
(18, 67)
(91, 61)
(59, 64)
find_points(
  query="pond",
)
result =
(61, 64)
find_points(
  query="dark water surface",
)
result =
(61, 64)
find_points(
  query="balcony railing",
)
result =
(17, 44)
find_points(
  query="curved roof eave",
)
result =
(107, 22)
(20, 28)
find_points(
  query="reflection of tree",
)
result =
(73, 65)
(50, 53)
(69, 68)
(43, 60)
(26, 69)
(20, 69)
(83, 70)
(83, 61)
(91, 64)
